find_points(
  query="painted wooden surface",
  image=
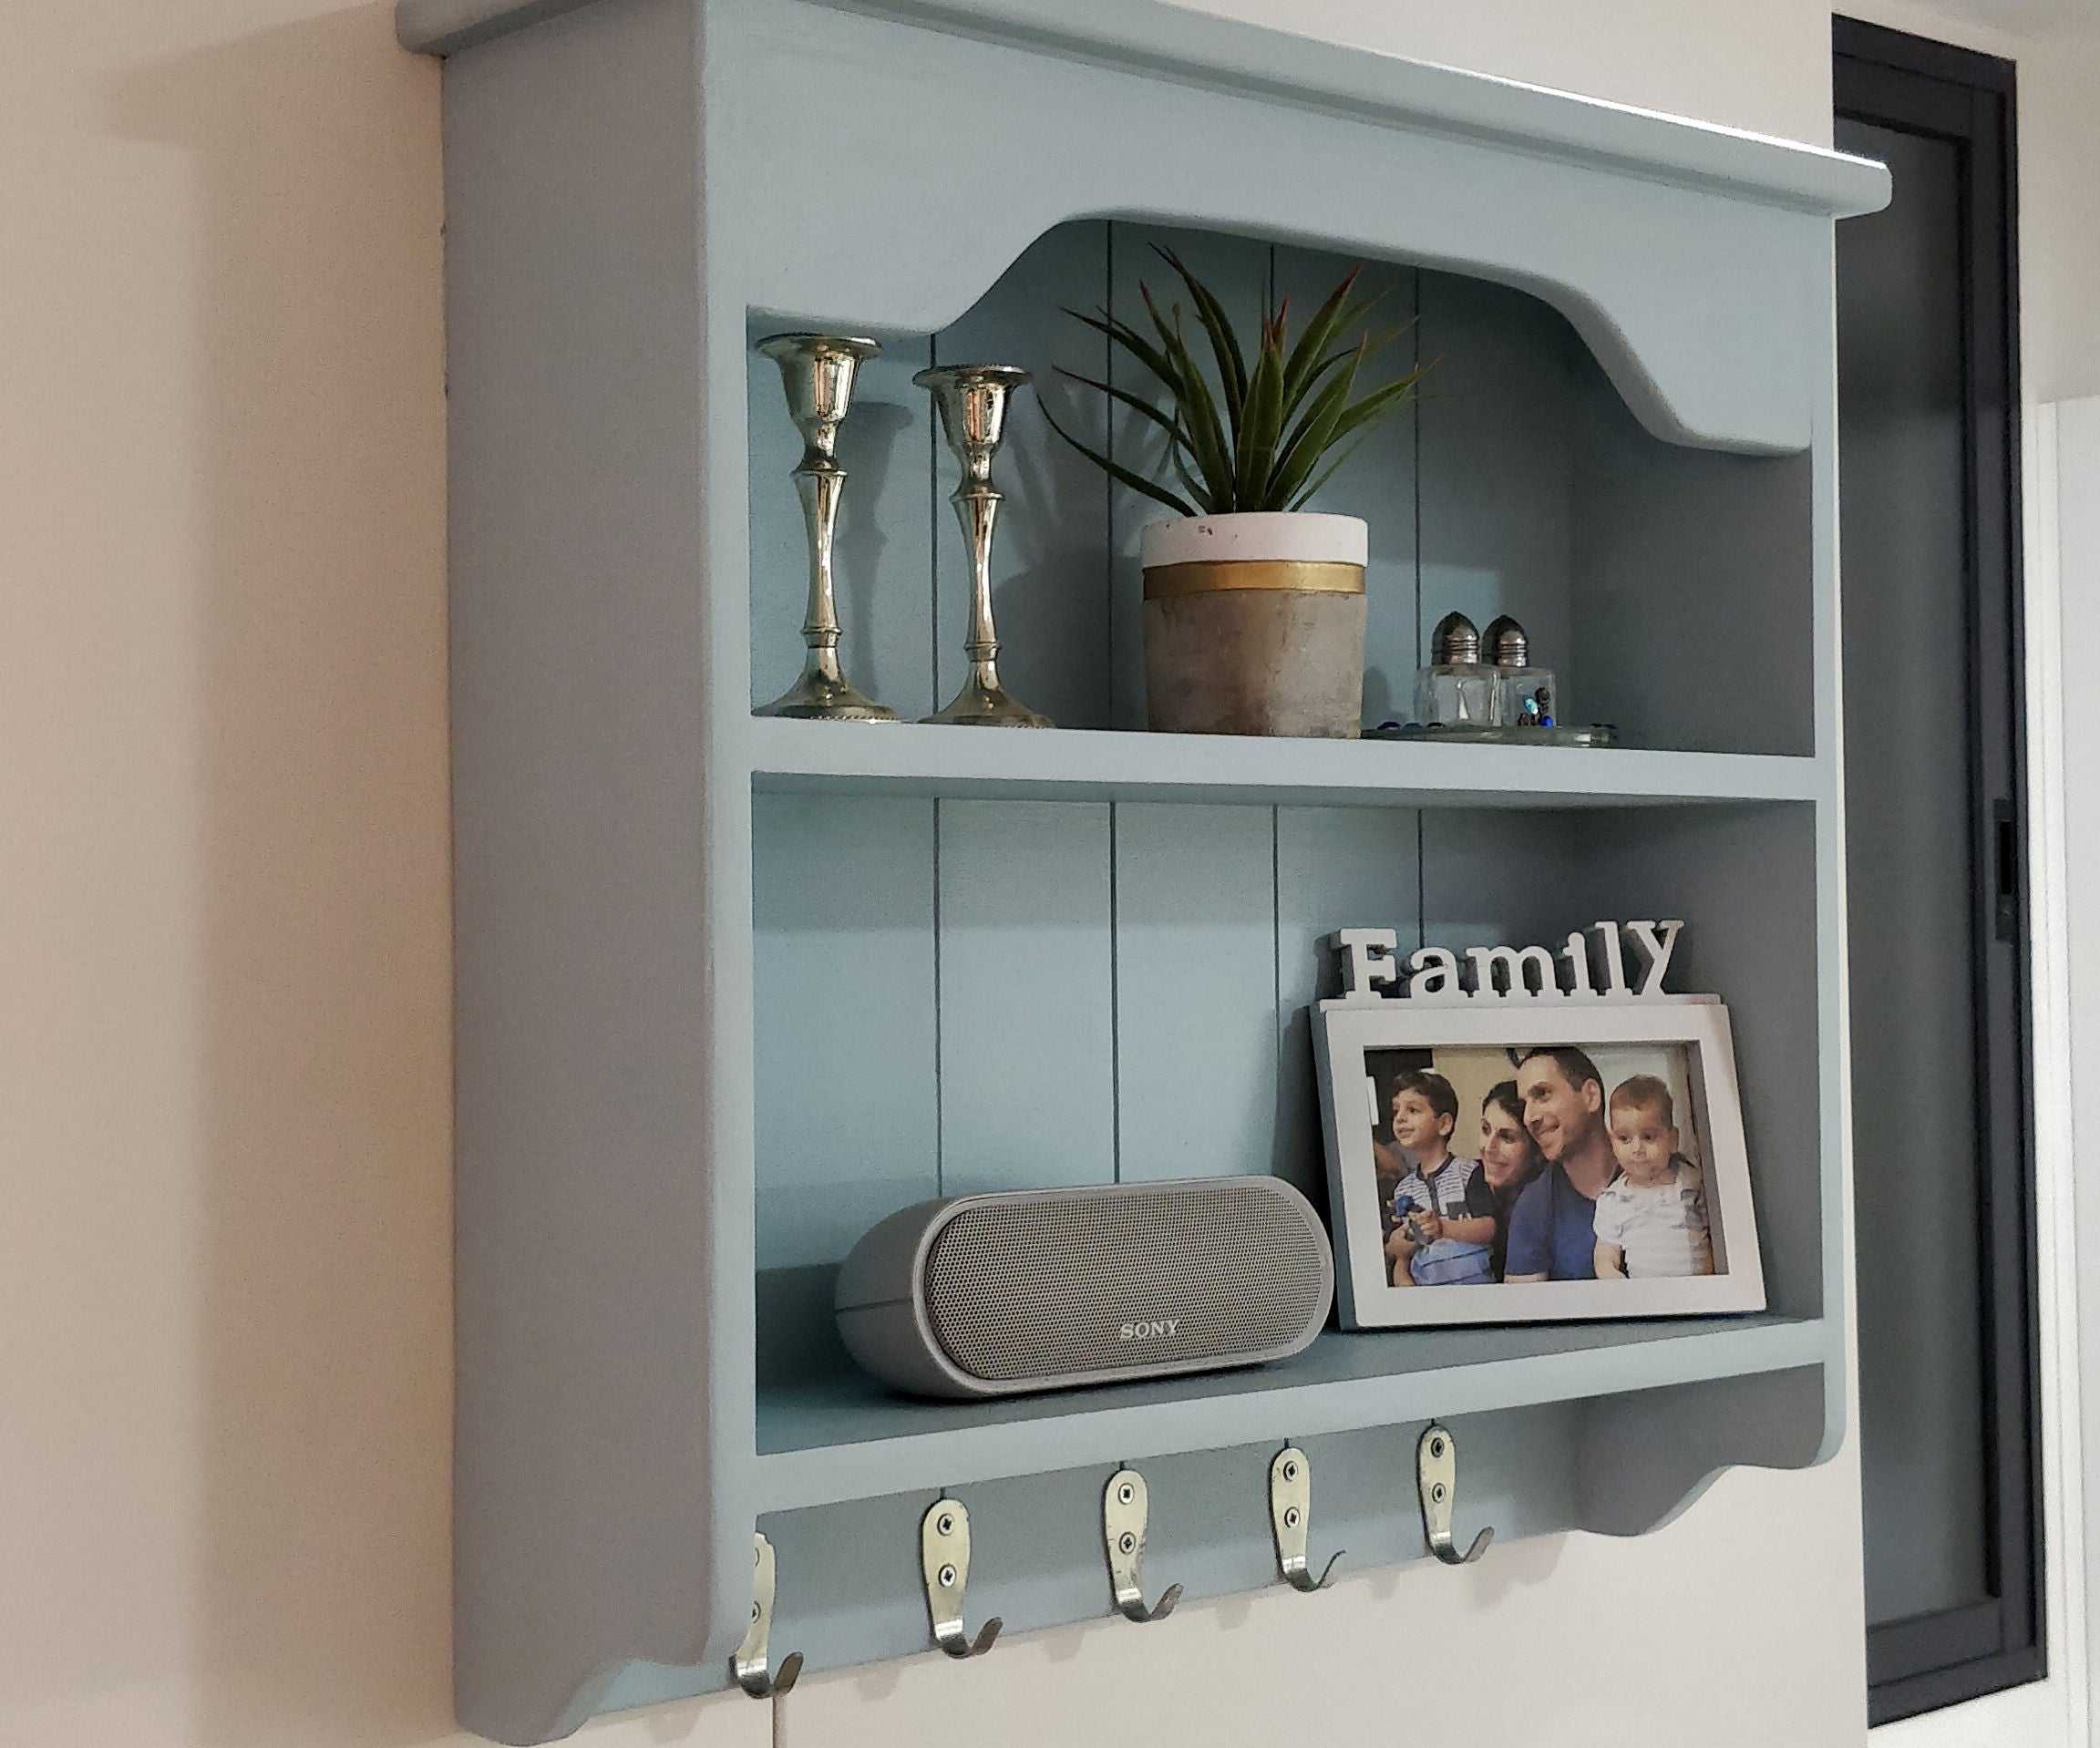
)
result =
(1066, 764)
(1291, 70)
(1333, 869)
(1690, 301)
(844, 1020)
(839, 1440)
(1496, 470)
(598, 1078)
(1693, 591)
(729, 989)
(1027, 1000)
(1195, 990)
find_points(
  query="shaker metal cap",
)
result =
(1456, 640)
(1508, 647)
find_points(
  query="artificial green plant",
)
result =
(1256, 441)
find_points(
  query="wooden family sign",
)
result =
(1592, 965)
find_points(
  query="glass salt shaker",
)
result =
(1525, 696)
(1457, 687)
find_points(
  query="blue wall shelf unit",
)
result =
(720, 979)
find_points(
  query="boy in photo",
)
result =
(1443, 1208)
(1651, 1217)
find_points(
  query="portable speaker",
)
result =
(1043, 1289)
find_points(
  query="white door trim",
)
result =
(2052, 1712)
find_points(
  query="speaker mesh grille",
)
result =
(1037, 1289)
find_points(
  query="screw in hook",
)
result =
(945, 1576)
(747, 1667)
(1436, 1467)
(1289, 1518)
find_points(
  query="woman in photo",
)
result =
(1509, 1159)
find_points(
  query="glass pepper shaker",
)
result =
(1457, 687)
(1525, 696)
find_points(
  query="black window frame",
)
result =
(1910, 84)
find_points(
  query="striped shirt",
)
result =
(1457, 1190)
(1660, 1228)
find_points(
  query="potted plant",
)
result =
(1253, 604)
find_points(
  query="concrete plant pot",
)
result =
(1254, 623)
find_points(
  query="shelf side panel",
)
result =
(1195, 990)
(1027, 971)
(589, 1102)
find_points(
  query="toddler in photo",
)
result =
(1443, 1208)
(1651, 1217)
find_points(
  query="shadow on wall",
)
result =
(323, 1617)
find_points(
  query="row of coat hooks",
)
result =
(944, 1555)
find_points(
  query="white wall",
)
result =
(2075, 430)
(223, 976)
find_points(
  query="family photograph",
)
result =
(1544, 1163)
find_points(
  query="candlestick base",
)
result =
(814, 697)
(980, 705)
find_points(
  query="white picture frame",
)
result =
(1344, 1032)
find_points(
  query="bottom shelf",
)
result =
(831, 1434)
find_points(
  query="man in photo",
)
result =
(1553, 1231)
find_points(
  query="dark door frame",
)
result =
(1912, 85)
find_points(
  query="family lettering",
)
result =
(1592, 962)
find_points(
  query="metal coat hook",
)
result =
(749, 1665)
(1436, 1476)
(1289, 1516)
(1123, 1511)
(945, 1558)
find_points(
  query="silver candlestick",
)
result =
(816, 370)
(972, 399)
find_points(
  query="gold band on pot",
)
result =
(1206, 576)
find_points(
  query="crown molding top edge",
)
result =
(1150, 37)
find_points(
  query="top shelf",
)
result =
(1098, 764)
